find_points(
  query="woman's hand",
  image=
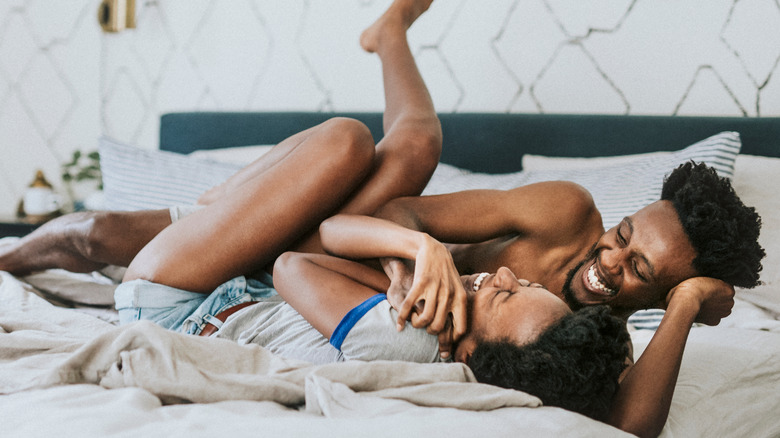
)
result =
(436, 299)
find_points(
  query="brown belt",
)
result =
(209, 328)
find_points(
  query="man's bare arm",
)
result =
(554, 210)
(642, 404)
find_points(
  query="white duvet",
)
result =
(67, 373)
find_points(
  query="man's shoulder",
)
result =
(566, 193)
(569, 207)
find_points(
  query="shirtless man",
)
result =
(683, 253)
(550, 233)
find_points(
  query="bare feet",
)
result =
(84, 242)
(50, 246)
(398, 17)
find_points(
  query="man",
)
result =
(683, 253)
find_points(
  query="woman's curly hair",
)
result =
(575, 364)
(723, 231)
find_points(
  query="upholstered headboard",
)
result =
(486, 142)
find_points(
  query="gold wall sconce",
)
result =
(116, 15)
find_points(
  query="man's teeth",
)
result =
(596, 283)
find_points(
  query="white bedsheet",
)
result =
(68, 373)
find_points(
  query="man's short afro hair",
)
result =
(723, 231)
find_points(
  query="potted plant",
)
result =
(83, 180)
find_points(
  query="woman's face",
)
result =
(503, 309)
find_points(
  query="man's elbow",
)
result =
(390, 209)
(400, 211)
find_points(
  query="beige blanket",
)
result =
(43, 346)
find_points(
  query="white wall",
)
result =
(63, 83)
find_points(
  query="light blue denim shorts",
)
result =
(184, 311)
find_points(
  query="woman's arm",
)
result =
(436, 285)
(323, 288)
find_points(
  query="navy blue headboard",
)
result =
(486, 142)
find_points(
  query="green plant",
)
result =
(83, 167)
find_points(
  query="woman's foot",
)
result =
(398, 18)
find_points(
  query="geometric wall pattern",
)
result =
(63, 82)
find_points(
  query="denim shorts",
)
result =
(184, 311)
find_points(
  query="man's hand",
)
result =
(436, 299)
(713, 298)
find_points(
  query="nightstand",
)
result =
(11, 226)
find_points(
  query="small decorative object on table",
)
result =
(40, 202)
(83, 180)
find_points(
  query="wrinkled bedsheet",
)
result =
(68, 372)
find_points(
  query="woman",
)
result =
(276, 203)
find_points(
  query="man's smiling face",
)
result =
(635, 263)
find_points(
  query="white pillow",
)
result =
(542, 162)
(723, 369)
(756, 180)
(139, 179)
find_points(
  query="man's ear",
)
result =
(465, 348)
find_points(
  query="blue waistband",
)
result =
(352, 317)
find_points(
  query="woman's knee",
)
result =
(423, 150)
(351, 139)
(414, 154)
(286, 263)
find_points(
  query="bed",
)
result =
(66, 368)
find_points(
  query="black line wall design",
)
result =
(63, 82)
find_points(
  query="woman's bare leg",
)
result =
(86, 241)
(409, 152)
(249, 227)
(405, 159)
(258, 166)
(411, 147)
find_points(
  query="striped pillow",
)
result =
(139, 179)
(619, 188)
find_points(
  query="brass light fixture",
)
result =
(116, 15)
